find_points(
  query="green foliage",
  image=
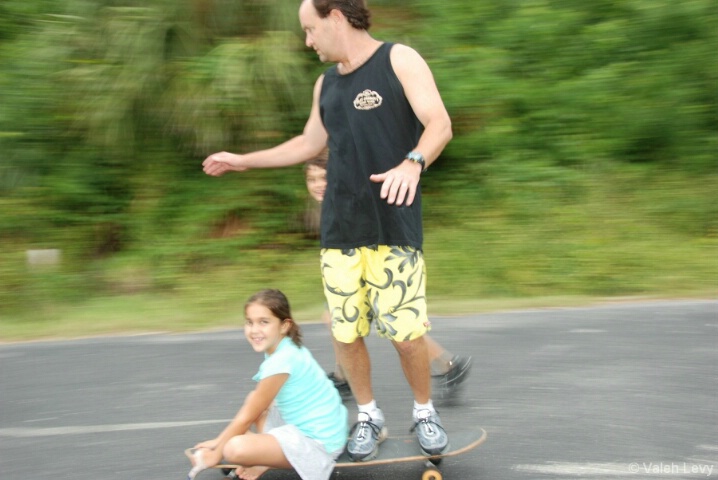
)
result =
(136, 85)
(236, 92)
(580, 82)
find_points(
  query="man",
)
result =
(449, 371)
(379, 111)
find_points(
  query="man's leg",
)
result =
(369, 430)
(355, 362)
(345, 290)
(397, 276)
(414, 356)
(347, 316)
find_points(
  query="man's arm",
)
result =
(400, 183)
(424, 98)
(296, 150)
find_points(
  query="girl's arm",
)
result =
(256, 403)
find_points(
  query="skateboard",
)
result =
(399, 450)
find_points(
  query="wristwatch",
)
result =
(417, 157)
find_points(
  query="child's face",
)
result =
(316, 182)
(262, 329)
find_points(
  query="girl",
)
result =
(300, 416)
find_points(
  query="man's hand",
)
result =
(220, 163)
(400, 183)
(207, 444)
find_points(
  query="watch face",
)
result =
(416, 157)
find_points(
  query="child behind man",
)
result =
(448, 370)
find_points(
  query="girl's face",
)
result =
(316, 182)
(263, 330)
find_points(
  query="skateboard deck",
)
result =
(402, 449)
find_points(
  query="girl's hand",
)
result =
(208, 444)
(206, 458)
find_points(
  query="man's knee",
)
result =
(353, 344)
(410, 347)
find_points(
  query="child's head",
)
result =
(272, 305)
(315, 171)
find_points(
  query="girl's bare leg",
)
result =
(256, 453)
(250, 473)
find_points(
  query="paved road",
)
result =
(621, 391)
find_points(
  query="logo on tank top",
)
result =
(367, 100)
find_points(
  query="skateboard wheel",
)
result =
(431, 474)
(229, 473)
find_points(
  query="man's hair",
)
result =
(319, 161)
(355, 11)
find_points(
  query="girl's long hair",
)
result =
(278, 304)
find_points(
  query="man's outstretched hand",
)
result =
(222, 162)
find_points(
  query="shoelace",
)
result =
(363, 430)
(428, 424)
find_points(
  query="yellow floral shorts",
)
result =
(385, 285)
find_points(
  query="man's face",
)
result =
(316, 182)
(318, 31)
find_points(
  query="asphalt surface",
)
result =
(620, 391)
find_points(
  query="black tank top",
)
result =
(371, 128)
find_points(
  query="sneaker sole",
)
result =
(447, 448)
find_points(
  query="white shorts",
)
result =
(307, 456)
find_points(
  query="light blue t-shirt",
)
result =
(308, 399)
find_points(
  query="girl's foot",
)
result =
(250, 473)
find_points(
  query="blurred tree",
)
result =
(577, 82)
(111, 82)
